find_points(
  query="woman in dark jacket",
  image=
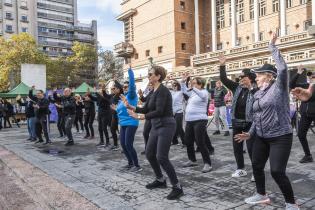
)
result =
(159, 110)
(79, 105)
(89, 116)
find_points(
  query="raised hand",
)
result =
(124, 100)
(241, 137)
(274, 38)
(140, 93)
(303, 94)
(300, 69)
(222, 59)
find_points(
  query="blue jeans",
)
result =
(31, 127)
(127, 137)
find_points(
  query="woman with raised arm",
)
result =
(128, 125)
(271, 129)
(196, 122)
(242, 107)
(158, 109)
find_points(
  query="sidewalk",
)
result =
(95, 174)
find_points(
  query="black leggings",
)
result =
(61, 125)
(238, 147)
(114, 129)
(195, 131)
(41, 127)
(79, 120)
(278, 151)
(179, 128)
(88, 124)
(104, 120)
(146, 131)
(304, 126)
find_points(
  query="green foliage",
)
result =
(111, 67)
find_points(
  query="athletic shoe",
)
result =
(91, 137)
(127, 167)
(252, 179)
(39, 141)
(61, 136)
(114, 148)
(176, 193)
(86, 137)
(101, 144)
(136, 169)
(107, 145)
(69, 143)
(290, 206)
(29, 139)
(206, 168)
(216, 133)
(226, 133)
(48, 142)
(307, 159)
(190, 164)
(156, 184)
(239, 173)
(257, 199)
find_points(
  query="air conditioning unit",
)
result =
(311, 30)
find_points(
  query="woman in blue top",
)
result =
(128, 125)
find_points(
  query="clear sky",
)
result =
(110, 31)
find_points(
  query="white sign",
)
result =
(34, 74)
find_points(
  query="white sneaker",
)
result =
(190, 164)
(239, 173)
(257, 199)
(252, 179)
(289, 206)
(206, 168)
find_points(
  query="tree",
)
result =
(15, 51)
(58, 72)
(84, 60)
(111, 67)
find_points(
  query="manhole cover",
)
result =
(53, 151)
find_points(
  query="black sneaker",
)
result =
(216, 133)
(226, 133)
(101, 144)
(156, 184)
(69, 143)
(114, 148)
(107, 145)
(39, 141)
(48, 142)
(127, 167)
(307, 159)
(175, 193)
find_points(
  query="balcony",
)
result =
(55, 35)
(64, 1)
(55, 26)
(124, 49)
(55, 17)
(56, 53)
(54, 8)
(82, 29)
(85, 39)
(126, 14)
(289, 41)
(55, 44)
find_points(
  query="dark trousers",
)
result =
(1, 122)
(278, 151)
(88, 124)
(104, 120)
(304, 126)
(41, 127)
(79, 120)
(127, 137)
(114, 129)
(158, 147)
(69, 119)
(7, 120)
(195, 131)
(146, 131)
(179, 128)
(61, 125)
(238, 147)
(208, 142)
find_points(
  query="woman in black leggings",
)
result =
(158, 109)
(78, 113)
(271, 129)
(89, 116)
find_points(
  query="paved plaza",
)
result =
(87, 177)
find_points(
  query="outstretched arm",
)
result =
(132, 84)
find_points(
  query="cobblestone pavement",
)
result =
(96, 174)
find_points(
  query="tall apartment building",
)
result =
(53, 23)
(193, 33)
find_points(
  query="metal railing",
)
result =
(53, 7)
(54, 17)
(83, 38)
(55, 35)
(64, 1)
(55, 44)
(124, 48)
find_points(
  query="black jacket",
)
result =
(79, 106)
(307, 108)
(89, 107)
(43, 104)
(67, 103)
(158, 105)
(29, 109)
(218, 95)
(103, 102)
